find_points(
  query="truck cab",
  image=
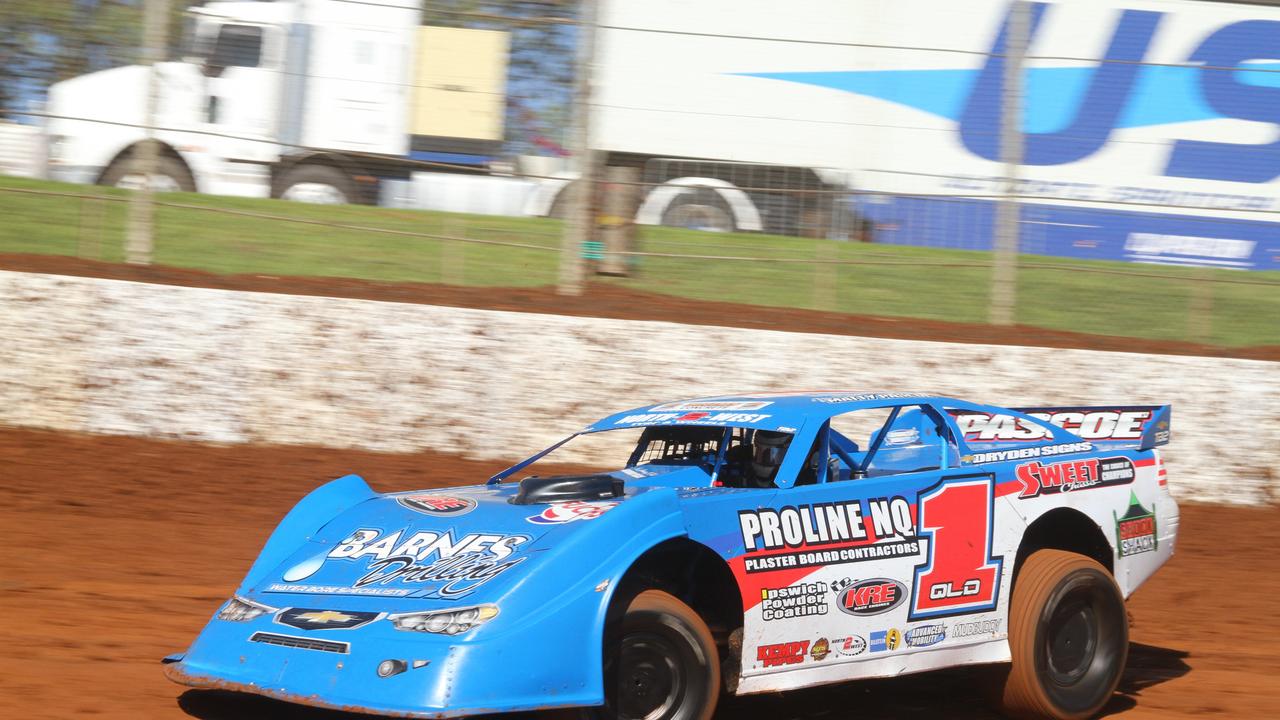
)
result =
(313, 100)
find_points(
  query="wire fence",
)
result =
(694, 181)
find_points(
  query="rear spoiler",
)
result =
(1108, 426)
(1117, 426)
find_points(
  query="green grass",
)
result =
(1141, 301)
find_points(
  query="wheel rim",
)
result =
(1072, 639)
(1082, 644)
(651, 678)
(315, 193)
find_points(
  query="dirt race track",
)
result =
(119, 549)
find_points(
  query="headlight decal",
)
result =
(240, 609)
(445, 622)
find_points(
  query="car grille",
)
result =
(300, 642)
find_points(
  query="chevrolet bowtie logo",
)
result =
(324, 617)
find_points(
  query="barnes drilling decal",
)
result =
(433, 564)
(803, 536)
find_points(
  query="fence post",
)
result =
(452, 254)
(1004, 272)
(140, 238)
(824, 275)
(1200, 308)
(620, 204)
(579, 220)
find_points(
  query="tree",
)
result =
(45, 41)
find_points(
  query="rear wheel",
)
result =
(317, 184)
(664, 664)
(1068, 636)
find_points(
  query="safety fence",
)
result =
(244, 111)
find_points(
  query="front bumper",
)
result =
(443, 677)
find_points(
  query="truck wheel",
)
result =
(317, 184)
(665, 665)
(170, 175)
(1069, 638)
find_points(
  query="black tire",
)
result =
(340, 188)
(663, 663)
(1068, 636)
(173, 174)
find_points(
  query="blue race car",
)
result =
(746, 544)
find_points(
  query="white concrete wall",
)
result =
(108, 356)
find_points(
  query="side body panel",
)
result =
(867, 577)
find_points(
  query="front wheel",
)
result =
(664, 665)
(1068, 636)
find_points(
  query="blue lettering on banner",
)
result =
(1070, 112)
(1096, 114)
(1231, 96)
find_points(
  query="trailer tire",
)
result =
(1069, 638)
(171, 174)
(317, 184)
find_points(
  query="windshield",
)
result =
(728, 456)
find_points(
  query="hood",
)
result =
(457, 544)
(119, 94)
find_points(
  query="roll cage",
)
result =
(814, 444)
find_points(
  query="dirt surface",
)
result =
(612, 301)
(120, 549)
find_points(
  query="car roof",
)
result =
(785, 411)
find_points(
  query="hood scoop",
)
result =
(536, 490)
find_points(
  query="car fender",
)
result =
(304, 520)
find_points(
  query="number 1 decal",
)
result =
(959, 576)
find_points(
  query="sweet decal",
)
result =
(1065, 476)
